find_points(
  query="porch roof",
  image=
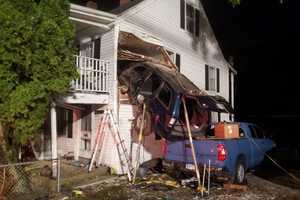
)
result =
(91, 16)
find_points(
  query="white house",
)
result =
(179, 26)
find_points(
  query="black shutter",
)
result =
(97, 48)
(197, 21)
(70, 123)
(206, 77)
(178, 61)
(219, 117)
(182, 14)
(230, 87)
(218, 80)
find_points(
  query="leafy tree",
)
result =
(36, 64)
(235, 2)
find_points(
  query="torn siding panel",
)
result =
(162, 20)
(151, 148)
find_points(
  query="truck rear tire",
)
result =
(240, 172)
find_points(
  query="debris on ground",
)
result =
(119, 188)
(235, 187)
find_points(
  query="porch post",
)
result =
(77, 133)
(53, 140)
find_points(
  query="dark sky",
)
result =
(263, 37)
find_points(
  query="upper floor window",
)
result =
(90, 49)
(175, 58)
(212, 78)
(189, 18)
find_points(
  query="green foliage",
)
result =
(36, 62)
(235, 2)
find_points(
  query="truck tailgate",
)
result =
(205, 150)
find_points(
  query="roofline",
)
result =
(96, 16)
(232, 69)
(132, 8)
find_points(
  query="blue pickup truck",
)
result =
(230, 156)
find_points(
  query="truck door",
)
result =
(256, 143)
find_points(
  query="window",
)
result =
(212, 78)
(86, 129)
(190, 18)
(87, 49)
(257, 132)
(90, 49)
(175, 58)
(165, 95)
(151, 85)
(64, 122)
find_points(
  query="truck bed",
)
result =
(206, 149)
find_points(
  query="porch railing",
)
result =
(93, 75)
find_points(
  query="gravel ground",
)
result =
(118, 188)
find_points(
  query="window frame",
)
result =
(215, 71)
(174, 57)
(148, 77)
(184, 18)
(159, 91)
(64, 122)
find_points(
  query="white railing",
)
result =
(93, 75)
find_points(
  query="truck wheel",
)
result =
(240, 172)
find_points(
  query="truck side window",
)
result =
(151, 84)
(257, 132)
(165, 95)
(253, 131)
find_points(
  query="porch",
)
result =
(92, 86)
(74, 117)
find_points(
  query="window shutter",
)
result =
(218, 80)
(97, 48)
(230, 87)
(206, 77)
(197, 21)
(178, 61)
(182, 14)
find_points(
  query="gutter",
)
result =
(91, 16)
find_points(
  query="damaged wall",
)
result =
(161, 19)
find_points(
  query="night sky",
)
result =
(263, 38)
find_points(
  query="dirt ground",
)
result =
(117, 188)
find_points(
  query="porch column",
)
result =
(53, 140)
(77, 133)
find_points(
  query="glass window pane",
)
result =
(190, 18)
(165, 95)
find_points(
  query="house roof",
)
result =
(125, 7)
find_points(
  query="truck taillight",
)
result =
(222, 154)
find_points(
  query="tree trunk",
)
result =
(2, 145)
(1, 134)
